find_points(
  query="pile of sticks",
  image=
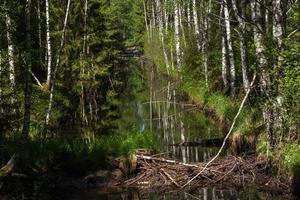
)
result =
(156, 171)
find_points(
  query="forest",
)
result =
(149, 99)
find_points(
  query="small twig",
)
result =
(170, 177)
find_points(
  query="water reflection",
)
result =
(211, 193)
(175, 121)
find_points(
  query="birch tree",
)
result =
(11, 61)
(230, 48)
(48, 41)
(243, 45)
(62, 42)
(177, 35)
(161, 32)
(224, 49)
(257, 18)
(146, 20)
(196, 24)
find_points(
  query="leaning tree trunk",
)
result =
(48, 40)
(243, 45)
(230, 48)
(62, 42)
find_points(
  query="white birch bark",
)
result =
(243, 46)
(62, 41)
(11, 61)
(230, 48)
(177, 35)
(278, 28)
(206, 40)
(224, 49)
(196, 24)
(188, 10)
(48, 41)
(39, 26)
(161, 32)
(166, 15)
(146, 20)
(82, 70)
(257, 17)
(181, 13)
(277, 22)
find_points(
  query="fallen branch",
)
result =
(227, 136)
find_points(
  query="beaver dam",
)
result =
(157, 173)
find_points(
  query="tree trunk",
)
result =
(257, 19)
(39, 28)
(161, 32)
(230, 49)
(224, 49)
(28, 90)
(206, 40)
(48, 40)
(177, 35)
(11, 61)
(196, 25)
(62, 42)
(0, 85)
(146, 20)
(243, 44)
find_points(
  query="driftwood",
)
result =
(162, 173)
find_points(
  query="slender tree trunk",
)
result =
(196, 24)
(11, 61)
(243, 45)
(189, 19)
(206, 40)
(39, 28)
(181, 13)
(224, 49)
(161, 32)
(177, 35)
(62, 42)
(28, 90)
(48, 40)
(257, 18)
(82, 70)
(166, 17)
(0, 85)
(230, 48)
(278, 32)
(146, 20)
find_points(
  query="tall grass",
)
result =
(74, 155)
